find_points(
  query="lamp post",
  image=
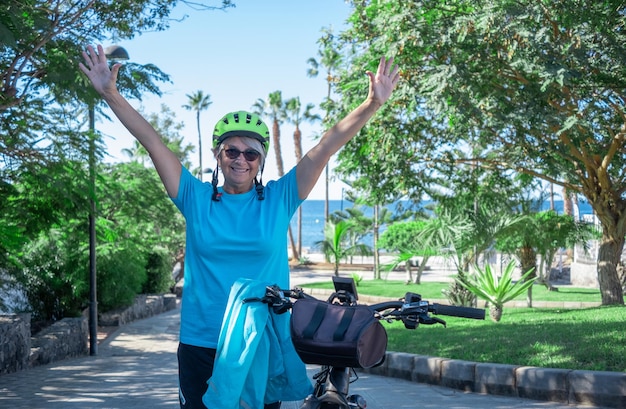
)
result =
(113, 53)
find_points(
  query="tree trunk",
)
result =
(528, 260)
(609, 255)
(199, 145)
(279, 165)
(568, 209)
(326, 201)
(548, 270)
(376, 255)
(297, 142)
(612, 215)
(495, 312)
(277, 149)
(568, 204)
(409, 272)
(294, 250)
(420, 270)
(300, 230)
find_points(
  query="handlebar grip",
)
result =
(456, 311)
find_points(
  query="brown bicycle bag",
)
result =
(337, 335)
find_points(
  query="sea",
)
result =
(313, 218)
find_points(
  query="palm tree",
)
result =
(335, 245)
(403, 239)
(198, 102)
(361, 224)
(275, 109)
(330, 58)
(295, 116)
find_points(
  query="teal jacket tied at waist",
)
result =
(256, 362)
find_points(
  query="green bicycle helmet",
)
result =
(241, 123)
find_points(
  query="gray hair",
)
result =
(250, 143)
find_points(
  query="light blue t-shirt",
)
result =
(239, 236)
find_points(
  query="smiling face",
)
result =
(238, 173)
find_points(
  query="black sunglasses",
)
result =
(250, 154)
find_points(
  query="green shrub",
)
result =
(357, 278)
(53, 286)
(121, 275)
(497, 290)
(158, 272)
(459, 295)
(304, 261)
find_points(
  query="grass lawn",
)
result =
(586, 339)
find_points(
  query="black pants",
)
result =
(195, 367)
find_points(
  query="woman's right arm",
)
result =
(104, 80)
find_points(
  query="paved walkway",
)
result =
(136, 368)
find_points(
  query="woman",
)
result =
(239, 229)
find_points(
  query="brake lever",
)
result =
(412, 314)
(283, 307)
(270, 294)
(428, 320)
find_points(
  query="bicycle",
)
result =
(332, 382)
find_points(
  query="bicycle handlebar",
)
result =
(411, 309)
(416, 311)
(456, 311)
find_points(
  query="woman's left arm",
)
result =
(381, 86)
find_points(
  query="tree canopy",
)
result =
(40, 47)
(534, 87)
(45, 143)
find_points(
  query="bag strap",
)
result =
(346, 319)
(316, 320)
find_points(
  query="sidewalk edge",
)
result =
(598, 388)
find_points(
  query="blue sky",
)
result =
(236, 57)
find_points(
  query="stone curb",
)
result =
(606, 389)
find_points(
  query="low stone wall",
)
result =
(66, 338)
(18, 350)
(14, 342)
(606, 389)
(145, 306)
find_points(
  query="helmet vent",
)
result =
(242, 124)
